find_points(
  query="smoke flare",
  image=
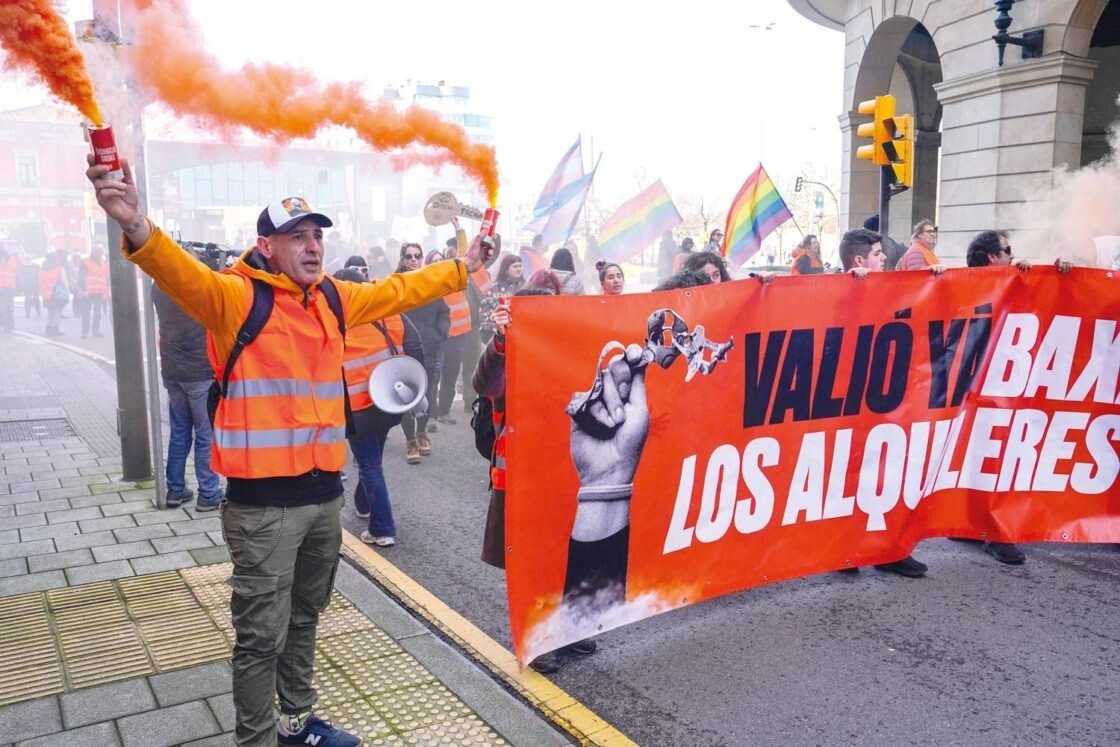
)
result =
(282, 103)
(38, 41)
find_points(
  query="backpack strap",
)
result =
(379, 325)
(259, 312)
(330, 292)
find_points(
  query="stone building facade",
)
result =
(989, 138)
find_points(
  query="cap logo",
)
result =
(294, 206)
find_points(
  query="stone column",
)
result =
(1003, 133)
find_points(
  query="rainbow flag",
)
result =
(638, 223)
(756, 211)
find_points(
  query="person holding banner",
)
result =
(489, 381)
(611, 278)
(710, 264)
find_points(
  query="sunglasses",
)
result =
(930, 230)
(413, 256)
(1006, 251)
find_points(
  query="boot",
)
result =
(423, 444)
(412, 453)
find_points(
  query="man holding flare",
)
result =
(279, 432)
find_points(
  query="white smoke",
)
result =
(1081, 205)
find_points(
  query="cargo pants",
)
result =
(284, 563)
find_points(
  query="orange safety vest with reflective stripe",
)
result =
(8, 272)
(97, 278)
(47, 281)
(366, 346)
(284, 413)
(460, 313)
(481, 278)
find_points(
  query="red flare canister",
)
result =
(489, 221)
(105, 150)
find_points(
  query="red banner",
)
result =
(667, 448)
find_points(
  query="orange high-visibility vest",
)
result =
(284, 413)
(47, 281)
(8, 272)
(460, 313)
(797, 255)
(481, 278)
(365, 348)
(97, 278)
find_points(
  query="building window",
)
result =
(27, 168)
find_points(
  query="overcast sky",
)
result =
(694, 93)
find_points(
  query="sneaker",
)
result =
(906, 567)
(546, 663)
(209, 502)
(361, 515)
(176, 498)
(412, 453)
(369, 539)
(319, 732)
(1005, 552)
(447, 420)
(584, 648)
(853, 569)
(423, 444)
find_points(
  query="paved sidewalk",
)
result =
(116, 615)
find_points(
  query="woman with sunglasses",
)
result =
(432, 320)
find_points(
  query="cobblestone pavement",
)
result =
(116, 614)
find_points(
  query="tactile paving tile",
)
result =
(333, 686)
(213, 595)
(466, 730)
(207, 575)
(29, 662)
(358, 717)
(82, 596)
(359, 645)
(342, 618)
(183, 639)
(381, 675)
(416, 707)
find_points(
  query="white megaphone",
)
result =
(397, 384)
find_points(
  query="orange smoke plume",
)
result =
(37, 40)
(282, 103)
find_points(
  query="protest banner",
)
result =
(745, 434)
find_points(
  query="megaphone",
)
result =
(443, 206)
(397, 384)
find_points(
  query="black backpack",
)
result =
(259, 312)
(482, 421)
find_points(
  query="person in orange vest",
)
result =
(93, 285)
(366, 347)
(460, 331)
(54, 288)
(807, 257)
(279, 431)
(9, 263)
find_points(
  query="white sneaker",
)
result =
(369, 539)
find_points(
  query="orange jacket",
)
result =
(8, 267)
(813, 262)
(97, 278)
(366, 346)
(284, 414)
(460, 314)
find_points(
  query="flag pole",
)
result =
(590, 184)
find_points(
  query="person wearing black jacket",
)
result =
(432, 321)
(187, 376)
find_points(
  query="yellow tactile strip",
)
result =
(553, 702)
(68, 639)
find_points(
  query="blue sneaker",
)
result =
(176, 498)
(320, 733)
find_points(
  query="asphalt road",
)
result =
(975, 652)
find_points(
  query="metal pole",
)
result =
(885, 200)
(132, 422)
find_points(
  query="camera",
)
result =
(208, 253)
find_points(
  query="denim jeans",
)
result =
(371, 482)
(186, 405)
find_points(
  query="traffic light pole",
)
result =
(887, 190)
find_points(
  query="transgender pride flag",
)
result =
(638, 223)
(566, 172)
(756, 211)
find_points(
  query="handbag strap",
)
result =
(380, 325)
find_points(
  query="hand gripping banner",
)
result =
(667, 448)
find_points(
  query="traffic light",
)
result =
(881, 110)
(900, 149)
(892, 138)
(797, 185)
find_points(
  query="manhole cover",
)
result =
(35, 430)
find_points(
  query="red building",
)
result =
(43, 190)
